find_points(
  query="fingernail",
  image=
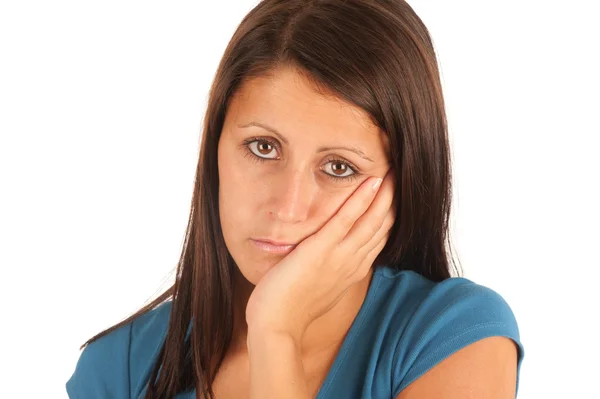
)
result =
(377, 183)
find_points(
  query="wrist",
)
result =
(263, 333)
(276, 367)
(263, 338)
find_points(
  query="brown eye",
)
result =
(262, 149)
(338, 169)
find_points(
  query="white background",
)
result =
(101, 105)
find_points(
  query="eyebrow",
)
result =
(355, 150)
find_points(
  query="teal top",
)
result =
(406, 325)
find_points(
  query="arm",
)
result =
(484, 369)
(276, 369)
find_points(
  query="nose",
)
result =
(293, 196)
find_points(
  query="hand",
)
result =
(312, 278)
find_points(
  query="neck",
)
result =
(325, 334)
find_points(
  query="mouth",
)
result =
(273, 247)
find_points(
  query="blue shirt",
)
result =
(406, 325)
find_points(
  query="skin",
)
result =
(485, 369)
(293, 311)
(292, 197)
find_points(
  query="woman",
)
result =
(315, 260)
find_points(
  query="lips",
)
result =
(274, 247)
(274, 242)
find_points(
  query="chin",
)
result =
(252, 263)
(254, 270)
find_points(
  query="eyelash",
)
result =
(256, 158)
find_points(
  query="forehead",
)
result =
(297, 108)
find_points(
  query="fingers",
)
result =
(367, 231)
(367, 262)
(376, 244)
(342, 222)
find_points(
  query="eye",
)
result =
(340, 169)
(261, 148)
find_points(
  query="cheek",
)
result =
(328, 205)
(240, 189)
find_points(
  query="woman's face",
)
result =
(286, 165)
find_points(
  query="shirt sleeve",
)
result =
(102, 370)
(457, 313)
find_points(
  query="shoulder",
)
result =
(118, 364)
(455, 304)
(432, 320)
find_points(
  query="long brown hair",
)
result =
(376, 54)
